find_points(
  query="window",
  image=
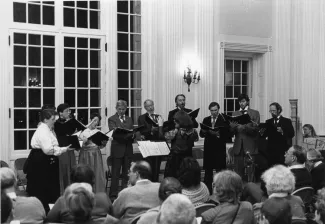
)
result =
(129, 55)
(236, 82)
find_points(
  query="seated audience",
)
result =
(168, 186)
(227, 187)
(317, 169)
(25, 209)
(190, 177)
(103, 206)
(320, 207)
(253, 193)
(276, 211)
(140, 197)
(295, 159)
(177, 209)
(309, 131)
(280, 183)
(6, 208)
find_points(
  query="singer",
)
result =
(279, 131)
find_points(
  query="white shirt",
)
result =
(246, 108)
(45, 139)
(297, 166)
(122, 118)
(317, 164)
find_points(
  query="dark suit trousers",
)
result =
(208, 177)
(117, 163)
(155, 162)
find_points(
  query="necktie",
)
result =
(276, 121)
(243, 111)
(154, 118)
(122, 118)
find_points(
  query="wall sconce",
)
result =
(191, 78)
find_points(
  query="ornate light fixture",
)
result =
(190, 77)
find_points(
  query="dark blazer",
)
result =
(121, 147)
(249, 136)
(144, 120)
(303, 177)
(318, 177)
(172, 113)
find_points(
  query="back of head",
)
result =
(177, 209)
(8, 178)
(168, 186)
(320, 205)
(189, 174)
(300, 153)
(183, 119)
(82, 173)
(62, 107)
(6, 207)
(314, 155)
(277, 211)
(143, 169)
(80, 201)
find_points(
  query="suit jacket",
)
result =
(249, 136)
(303, 177)
(318, 177)
(172, 113)
(121, 147)
(146, 132)
(136, 200)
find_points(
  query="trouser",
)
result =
(117, 163)
(208, 177)
(155, 162)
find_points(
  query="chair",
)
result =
(21, 176)
(3, 164)
(298, 221)
(307, 196)
(202, 208)
(108, 172)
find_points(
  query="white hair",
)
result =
(121, 103)
(279, 179)
(8, 178)
(145, 102)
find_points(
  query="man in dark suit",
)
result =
(295, 159)
(121, 147)
(152, 131)
(317, 169)
(279, 131)
(246, 135)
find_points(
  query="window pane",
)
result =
(135, 113)
(237, 105)
(236, 91)
(229, 66)
(135, 42)
(244, 66)
(122, 23)
(135, 7)
(82, 18)
(94, 4)
(19, 55)
(20, 97)
(83, 116)
(34, 56)
(20, 140)
(94, 19)
(48, 2)
(123, 6)
(123, 60)
(135, 79)
(82, 78)
(34, 77)
(122, 41)
(244, 79)
(237, 79)
(228, 79)
(244, 89)
(34, 14)
(94, 43)
(230, 105)
(48, 56)
(30, 133)
(19, 38)
(48, 15)
(95, 98)
(69, 78)
(95, 59)
(34, 118)
(69, 41)
(135, 24)
(68, 3)
(48, 77)
(20, 120)
(49, 96)
(123, 79)
(94, 78)
(48, 40)
(82, 58)
(82, 97)
(237, 65)
(19, 76)
(136, 98)
(19, 12)
(135, 61)
(82, 4)
(68, 15)
(35, 98)
(34, 39)
(123, 95)
(69, 58)
(229, 93)
(82, 42)
(69, 97)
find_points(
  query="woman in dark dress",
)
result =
(63, 127)
(214, 143)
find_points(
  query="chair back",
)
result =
(307, 196)
(298, 221)
(21, 176)
(3, 164)
(108, 173)
(202, 208)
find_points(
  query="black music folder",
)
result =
(123, 131)
(240, 119)
(69, 140)
(206, 127)
(193, 114)
(98, 137)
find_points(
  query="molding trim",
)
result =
(229, 46)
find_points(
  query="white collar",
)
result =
(297, 166)
(12, 195)
(141, 180)
(317, 164)
(278, 195)
(246, 108)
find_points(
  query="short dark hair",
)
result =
(95, 114)
(213, 104)
(6, 207)
(62, 107)
(47, 114)
(189, 174)
(243, 96)
(183, 119)
(82, 173)
(168, 186)
(143, 168)
(300, 153)
(178, 96)
(277, 106)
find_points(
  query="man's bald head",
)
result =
(143, 168)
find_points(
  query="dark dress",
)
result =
(214, 149)
(67, 160)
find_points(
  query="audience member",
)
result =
(227, 187)
(295, 159)
(140, 197)
(25, 209)
(317, 169)
(320, 207)
(103, 206)
(190, 177)
(309, 131)
(277, 211)
(280, 183)
(177, 209)
(168, 186)
(6, 208)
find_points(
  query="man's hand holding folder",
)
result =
(122, 134)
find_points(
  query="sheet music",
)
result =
(148, 148)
